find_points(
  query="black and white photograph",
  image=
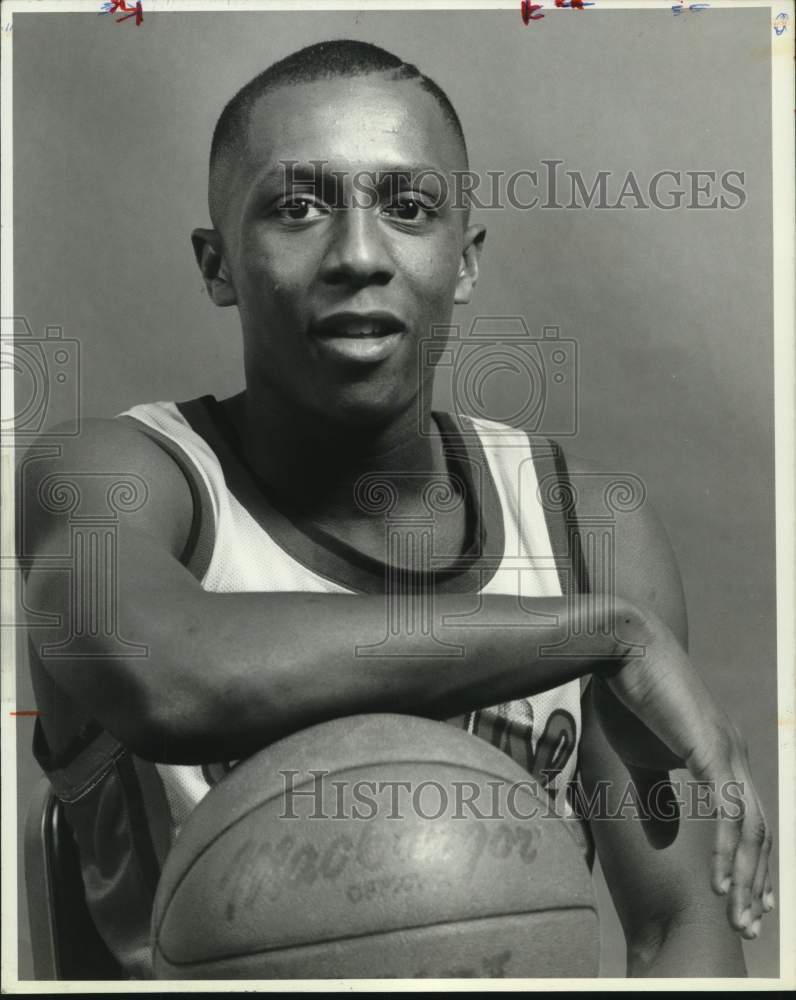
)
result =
(398, 495)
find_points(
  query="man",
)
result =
(253, 574)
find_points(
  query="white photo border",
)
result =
(783, 102)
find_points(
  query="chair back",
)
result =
(65, 941)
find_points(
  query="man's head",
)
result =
(323, 61)
(335, 232)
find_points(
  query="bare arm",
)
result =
(225, 674)
(674, 926)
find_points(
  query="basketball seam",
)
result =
(344, 770)
(381, 934)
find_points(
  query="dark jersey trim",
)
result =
(200, 413)
(85, 762)
(198, 549)
(48, 761)
(557, 496)
(156, 807)
(333, 559)
(140, 831)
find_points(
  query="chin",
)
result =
(363, 410)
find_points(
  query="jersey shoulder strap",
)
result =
(558, 495)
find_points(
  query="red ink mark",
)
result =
(111, 6)
(528, 11)
(26, 712)
(574, 4)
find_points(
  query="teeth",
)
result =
(361, 331)
(369, 332)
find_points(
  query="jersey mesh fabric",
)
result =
(542, 732)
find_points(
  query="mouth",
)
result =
(364, 337)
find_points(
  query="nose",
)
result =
(357, 254)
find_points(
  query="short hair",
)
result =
(323, 61)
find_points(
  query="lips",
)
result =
(358, 337)
(350, 324)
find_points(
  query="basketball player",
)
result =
(255, 576)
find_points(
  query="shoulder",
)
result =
(636, 556)
(111, 468)
(633, 556)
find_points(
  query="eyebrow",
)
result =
(318, 170)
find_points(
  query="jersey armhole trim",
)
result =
(197, 552)
(558, 496)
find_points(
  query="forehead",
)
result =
(365, 122)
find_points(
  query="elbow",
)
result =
(143, 715)
(154, 735)
(195, 716)
(171, 719)
(153, 708)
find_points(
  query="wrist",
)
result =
(634, 632)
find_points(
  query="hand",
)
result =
(662, 689)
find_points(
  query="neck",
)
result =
(316, 463)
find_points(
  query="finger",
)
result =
(711, 764)
(762, 883)
(754, 847)
(747, 855)
(757, 908)
(728, 834)
(769, 899)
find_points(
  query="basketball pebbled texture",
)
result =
(454, 866)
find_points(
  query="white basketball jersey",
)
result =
(242, 542)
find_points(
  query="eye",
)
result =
(300, 210)
(409, 209)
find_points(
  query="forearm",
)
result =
(335, 656)
(215, 676)
(224, 674)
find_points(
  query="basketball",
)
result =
(376, 846)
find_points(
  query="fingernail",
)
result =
(746, 916)
(754, 930)
(768, 900)
(725, 885)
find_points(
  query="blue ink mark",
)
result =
(781, 23)
(530, 11)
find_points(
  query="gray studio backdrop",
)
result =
(670, 311)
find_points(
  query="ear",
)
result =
(468, 268)
(210, 258)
